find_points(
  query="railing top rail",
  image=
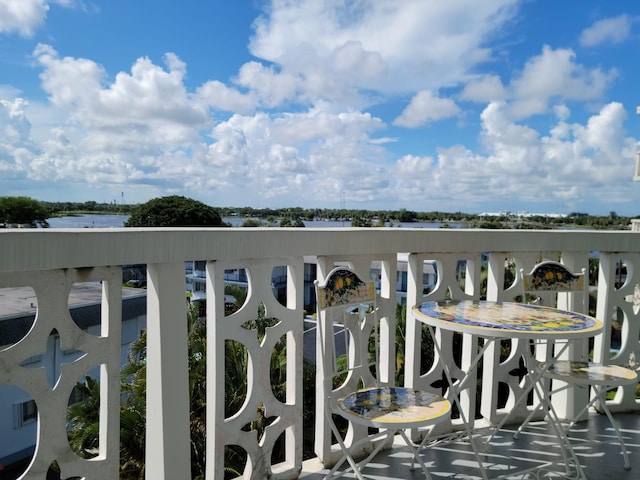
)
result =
(37, 249)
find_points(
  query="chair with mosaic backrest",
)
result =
(549, 276)
(348, 334)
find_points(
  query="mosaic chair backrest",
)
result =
(347, 306)
(550, 276)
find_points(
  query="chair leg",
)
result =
(345, 456)
(538, 407)
(553, 420)
(498, 427)
(600, 394)
(415, 452)
(353, 465)
(333, 473)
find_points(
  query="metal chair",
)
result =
(551, 276)
(348, 334)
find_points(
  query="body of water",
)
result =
(88, 221)
(117, 221)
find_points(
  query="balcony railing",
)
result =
(51, 261)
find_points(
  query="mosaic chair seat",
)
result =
(349, 356)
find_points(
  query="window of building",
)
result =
(25, 413)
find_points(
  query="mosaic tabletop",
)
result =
(507, 319)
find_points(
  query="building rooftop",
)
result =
(18, 301)
(18, 306)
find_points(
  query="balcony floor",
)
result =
(601, 460)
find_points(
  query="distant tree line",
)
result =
(35, 213)
(60, 209)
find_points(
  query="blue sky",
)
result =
(456, 105)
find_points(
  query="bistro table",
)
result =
(495, 321)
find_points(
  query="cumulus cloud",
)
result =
(556, 74)
(145, 126)
(553, 75)
(142, 126)
(272, 87)
(608, 30)
(15, 125)
(484, 89)
(149, 105)
(313, 154)
(219, 96)
(426, 107)
(394, 46)
(16, 146)
(25, 16)
(22, 16)
(570, 164)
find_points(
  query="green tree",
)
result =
(133, 413)
(83, 418)
(174, 211)
(361, 221)
(287, 222)
(406, 216)
(252, 222)
(23, 211)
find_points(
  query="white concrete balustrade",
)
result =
(50, 261)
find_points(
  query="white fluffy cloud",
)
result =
(16, 127)
(221, 97)
(555, 73)
(426, 107)
(484, 89)
(132, 129)
(149, 106)
(608, 30)
(568, 165)
(309, 155)
(393, 46)
(25, 16)
(22, 16)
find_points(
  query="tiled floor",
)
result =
(594, 443)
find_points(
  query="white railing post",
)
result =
(413, 333)
(572, 400)
(253, 358)
(168, 433)
(618, 302)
